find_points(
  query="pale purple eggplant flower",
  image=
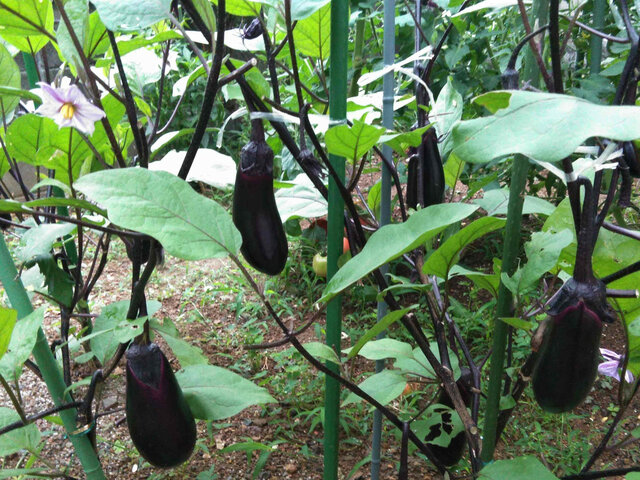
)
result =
(612, 364)
(68, 107)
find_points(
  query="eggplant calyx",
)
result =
(592, 293)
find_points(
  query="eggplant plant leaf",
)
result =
(22, 438)
(352, 142)
(391, 241)
(23, 338)
(544, 126)
(448, 254)
(188, 225)
(214, 393)
(312, 34)
(23, 23)
(522, 468)
(383, 386)
(8, 319)
(38, 241)
(131, 15)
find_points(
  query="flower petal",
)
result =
(610, 369)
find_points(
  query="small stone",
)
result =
(109, 402)
(291, 468)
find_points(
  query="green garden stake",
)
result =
(337, 112)
(385, 200)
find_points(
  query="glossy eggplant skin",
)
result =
(630, 155)
(160, 422)
(7, 217)
(568, 359)
(452, 453)
(255, 214)
(432, 173)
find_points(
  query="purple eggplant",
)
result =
(630, 155)
(426, 156)
(4, 217)
(160, 422)
(255, 214)
(568, 359)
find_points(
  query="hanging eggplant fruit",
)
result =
(160, 422)
(568, 358)
(4, 217)
(425, 173)
(255, 214)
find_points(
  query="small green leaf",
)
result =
(384, 386)
(522, 468)
(322, 351)
(303, 200)
(23, 338)
(386, 348)
(448, 254)
(8, 319)
(25, 438)
(352, 142)
(384, 323)
(302, 10)
(188, 225)
(214, 393)
(241, 8)
(186, 353)
(78, 13)
(391, 241)
(517, 323)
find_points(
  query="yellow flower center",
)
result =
(67, 110)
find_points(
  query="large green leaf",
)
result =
(22, 341)
(522, 468)
(188, 225)
(391, 241)
(25, 438)
(8, 319)
(312, 34)
(384, 386)
(214, 393)
(544, 126)
(9, 77)
(495, 203)
(446, 112)
(22, 23)
(448, 254)
(131, 15)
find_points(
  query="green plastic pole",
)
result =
(599, 9)
(337, 114)
(389, 48)
(519, 171)
(48, 366)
